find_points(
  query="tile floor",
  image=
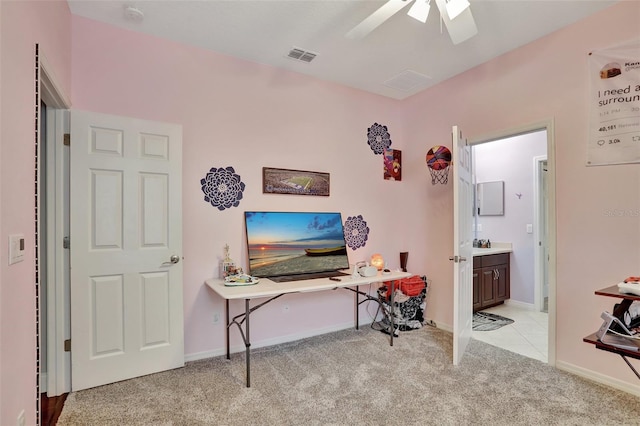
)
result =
(527, 335)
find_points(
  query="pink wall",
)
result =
(245, 115)
(542, 80)
(248, 116)
(23, 25)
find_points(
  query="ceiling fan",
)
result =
(456, 15)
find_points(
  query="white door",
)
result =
(126, 227)
(462, 245)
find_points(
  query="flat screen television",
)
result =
(287, 246)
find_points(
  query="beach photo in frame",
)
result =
(296, 182)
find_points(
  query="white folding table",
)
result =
(272, 290)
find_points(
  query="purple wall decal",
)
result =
(222, 188)
(356, 232)
(379, 138)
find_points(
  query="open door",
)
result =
(126, 248)
(462, 246)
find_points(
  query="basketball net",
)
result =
(439, 176)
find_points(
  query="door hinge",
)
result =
(67, 345)
(67, 139)
(66, 242)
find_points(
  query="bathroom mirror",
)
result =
(490, 198)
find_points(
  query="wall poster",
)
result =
(297, 182)
(614, 121)
(392, 160)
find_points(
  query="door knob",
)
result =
(175, 258)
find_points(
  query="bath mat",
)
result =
(484, 321)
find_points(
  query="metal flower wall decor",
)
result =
(222, 188)
(379, 138)
(356, 232)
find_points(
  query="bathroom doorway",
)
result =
(520, 159)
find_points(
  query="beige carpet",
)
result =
(355, 378)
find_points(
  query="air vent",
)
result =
(301, 55)
(407, 81)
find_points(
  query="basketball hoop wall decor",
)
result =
(438, 161)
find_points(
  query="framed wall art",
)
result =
(297, 182)
(392, 164)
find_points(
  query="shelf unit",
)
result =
(627, 300)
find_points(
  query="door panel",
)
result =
(488, 286)
(126, 296)
(502, 283)
(462, 243)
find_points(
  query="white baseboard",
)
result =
(442, 326)
(599, 378)
(274, 341)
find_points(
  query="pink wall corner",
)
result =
(547, 79)
(23, 24)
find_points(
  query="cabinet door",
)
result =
(502, 283)
(488, 293)
(477, 290)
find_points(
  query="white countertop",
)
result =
(496, 248)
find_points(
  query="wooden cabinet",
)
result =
(491, 284)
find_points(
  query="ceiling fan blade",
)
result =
(374, 20)
(462, 28)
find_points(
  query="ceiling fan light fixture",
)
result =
(420, 10)
(133, 14)
(456, 7)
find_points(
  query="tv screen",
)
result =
(294, 243)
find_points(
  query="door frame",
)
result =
(548, 125)
(539, 236)
(58, 376)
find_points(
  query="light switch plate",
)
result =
(16, 248)
(529, 228)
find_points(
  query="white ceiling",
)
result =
(264, 31)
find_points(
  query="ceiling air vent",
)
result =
(407, 81)
(301, 55)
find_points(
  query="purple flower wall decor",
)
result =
(222, 188)
(379, 138)
(356, 232)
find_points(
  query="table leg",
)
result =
(392, 331)
(248, 343)
(355, 295)
(227, 330)
(630, 366)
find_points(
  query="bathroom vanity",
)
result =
(491, 283)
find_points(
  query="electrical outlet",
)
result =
(285, 308)
(216, 317)
(20, 420)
